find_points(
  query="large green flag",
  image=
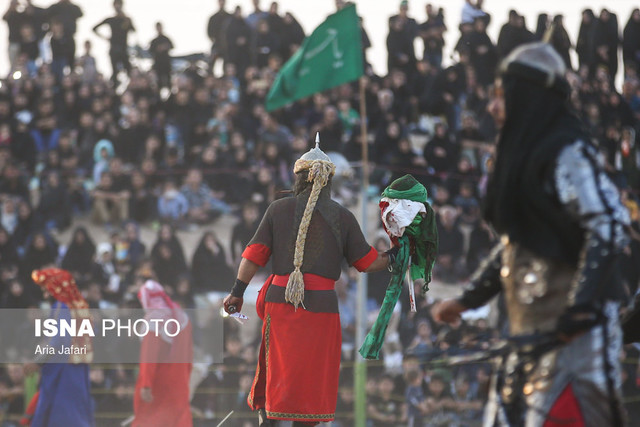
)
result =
(329, 57)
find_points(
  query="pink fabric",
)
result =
(159, 305)
(152, 296)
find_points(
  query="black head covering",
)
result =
(538, 125)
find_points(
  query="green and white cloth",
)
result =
(417, 250)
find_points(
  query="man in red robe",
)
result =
(307, 238)
(162, 390)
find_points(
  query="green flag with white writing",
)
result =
(329, 57)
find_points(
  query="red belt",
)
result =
(312, 282)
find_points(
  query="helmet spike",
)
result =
(317, 139)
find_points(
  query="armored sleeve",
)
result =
(259, 248)
(485, 282)
(590, 197)
(357, 251)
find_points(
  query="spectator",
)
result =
(167, 266)
(8, 252)
(237, 34)
(28, 47)
(62, 49)
(422, 344)
(45, 131)
(605, 43)
(541, 26)
(67, 14)
(472, 10)
(13, 182)
(210, 267)
(432, 34)
(142, 203)
(631, 43)
(404, 160)
(110, 204)
(383, 408)
(627, 158)
(79, 257)
(105, 273)
(88, 64)
(584, 44)
(450, 250)
(26, 225)
(202, 206)
(160, 48)
(512, 34)
(41, 251)
(467, 402)
(400, 50)
(256, 16)
(483, 55)
(215, 30)
(560, 40)
(292, 36)
(244, 230)
(265, 44)
(172, 205)
(102, 154)
(408, 24)
(14, 21)
(414, 396)
(167, 236)
(68, 154)
(54, 208)
(441, 153)
(120, 25)
(9, 214)
(23, 146)
(439, 400)
(133, 248)
(331, 130)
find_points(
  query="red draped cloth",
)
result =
(299, 361)
(168, 381)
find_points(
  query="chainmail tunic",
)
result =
(334, 235)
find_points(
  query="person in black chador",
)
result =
(562, 227)
(631, 42)
(210, 269)
(237, 35)
(584, 43)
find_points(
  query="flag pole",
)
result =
(360, 374)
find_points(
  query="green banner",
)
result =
(329, 57)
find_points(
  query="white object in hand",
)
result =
(239, 317)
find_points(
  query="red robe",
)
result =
(299, 361)
(169, 383)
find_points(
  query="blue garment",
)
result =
(172, 207)
(65, 391)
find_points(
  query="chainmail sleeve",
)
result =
(485, 282)
(591, 198)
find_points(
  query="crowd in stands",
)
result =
(176, 148)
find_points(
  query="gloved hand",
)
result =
(231, 301)
(392, 254)
(577, 320)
